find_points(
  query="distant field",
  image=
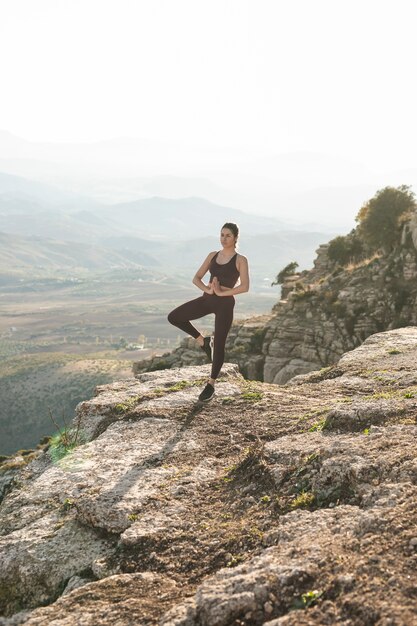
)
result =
(100, 311)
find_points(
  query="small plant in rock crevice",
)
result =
(265, 499)
(65, 440)
(228, 400)
(124, 407)
(68, 504)
(254, 396)
(235, 560)
(308, 599)
(318, 426)
(304, 500)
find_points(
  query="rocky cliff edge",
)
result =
(273, 504)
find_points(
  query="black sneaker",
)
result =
(207, 348)
(207, 393)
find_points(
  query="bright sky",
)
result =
(333, 76)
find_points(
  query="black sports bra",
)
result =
(227, 273)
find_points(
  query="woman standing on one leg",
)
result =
(225, 267)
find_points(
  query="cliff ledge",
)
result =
(273, 504)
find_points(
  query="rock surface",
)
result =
(272, 504)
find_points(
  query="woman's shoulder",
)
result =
(241, 258)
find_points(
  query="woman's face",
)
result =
(227, 238)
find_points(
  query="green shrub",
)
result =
(381, 218)
(345, 249)
(257, 339)
(161, 364)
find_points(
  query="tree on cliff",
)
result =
(345, 249)
(289, 270)
(380, 219)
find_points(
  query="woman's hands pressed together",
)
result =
(216, 286)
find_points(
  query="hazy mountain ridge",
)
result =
(253, 180)
(17, 253)
(266, 252)
(19, 193)
(152, 231)
(81, 227)
(154, 217)
(184, 218)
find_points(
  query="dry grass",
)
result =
(350, 267)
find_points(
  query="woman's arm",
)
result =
(243, 268)
(202, 271)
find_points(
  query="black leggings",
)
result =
(222, 307)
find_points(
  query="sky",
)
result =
(329, 76)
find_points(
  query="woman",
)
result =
(225, 267)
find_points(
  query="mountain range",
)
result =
(305, 189)
(46, 228)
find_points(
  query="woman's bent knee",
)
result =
(171, 318)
